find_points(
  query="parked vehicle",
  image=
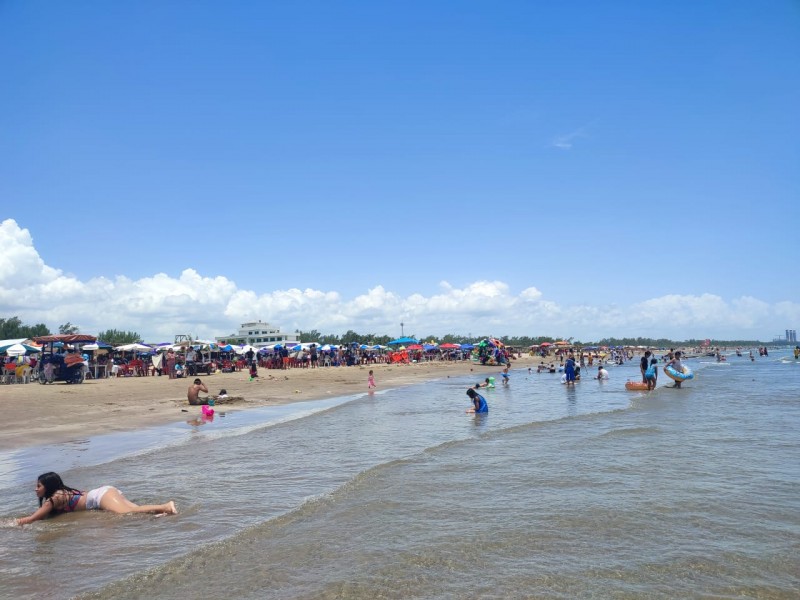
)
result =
(61, 358)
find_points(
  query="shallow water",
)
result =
(590, 492)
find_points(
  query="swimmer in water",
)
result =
(55, 498)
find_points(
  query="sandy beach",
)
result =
(40, 414)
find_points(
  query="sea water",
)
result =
(559, 492)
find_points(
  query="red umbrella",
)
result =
(449, 346)
(414, 347)
(545, 344)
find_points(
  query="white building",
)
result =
(259, 334)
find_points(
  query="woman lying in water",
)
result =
(55, 498)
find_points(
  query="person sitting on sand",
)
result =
(56, 498)
(194, 392)
(478, 401)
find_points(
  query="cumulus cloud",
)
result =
(160, 306)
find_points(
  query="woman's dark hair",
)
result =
(471, 393)
(52, 482)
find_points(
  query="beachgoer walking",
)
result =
(371, 380)
(56, 498)
(676, 364)
(171, 363)
(504, 374)
(314, 356)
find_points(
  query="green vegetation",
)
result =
(13, 328)
(119, 338)
(68, 329)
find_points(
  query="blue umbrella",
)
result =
(467, 346)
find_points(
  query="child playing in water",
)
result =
(478, 402)
(371, 380)
(651, 374)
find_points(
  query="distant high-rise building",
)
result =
(791, 336)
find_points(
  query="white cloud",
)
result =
(565, 142)
(160, 306)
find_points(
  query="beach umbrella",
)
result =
(543, 344)
(133, 348)
(19, 349)
(428, 347)
(467, 346)
(449, 346)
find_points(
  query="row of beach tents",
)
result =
(19, 347)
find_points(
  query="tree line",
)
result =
(13, 328)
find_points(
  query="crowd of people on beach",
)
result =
(55, 497)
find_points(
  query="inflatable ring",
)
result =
(672, 373)
(636, 386)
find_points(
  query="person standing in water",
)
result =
(371, 380)
(676, 364)
(55, 498)
(644, 363)
(651, 374)
(569, 370)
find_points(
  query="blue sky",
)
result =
(574, 169)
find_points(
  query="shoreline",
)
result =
(36, 414)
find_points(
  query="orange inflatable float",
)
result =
(636, 386)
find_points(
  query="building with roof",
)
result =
(259, 334)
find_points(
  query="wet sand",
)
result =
(44, 414)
